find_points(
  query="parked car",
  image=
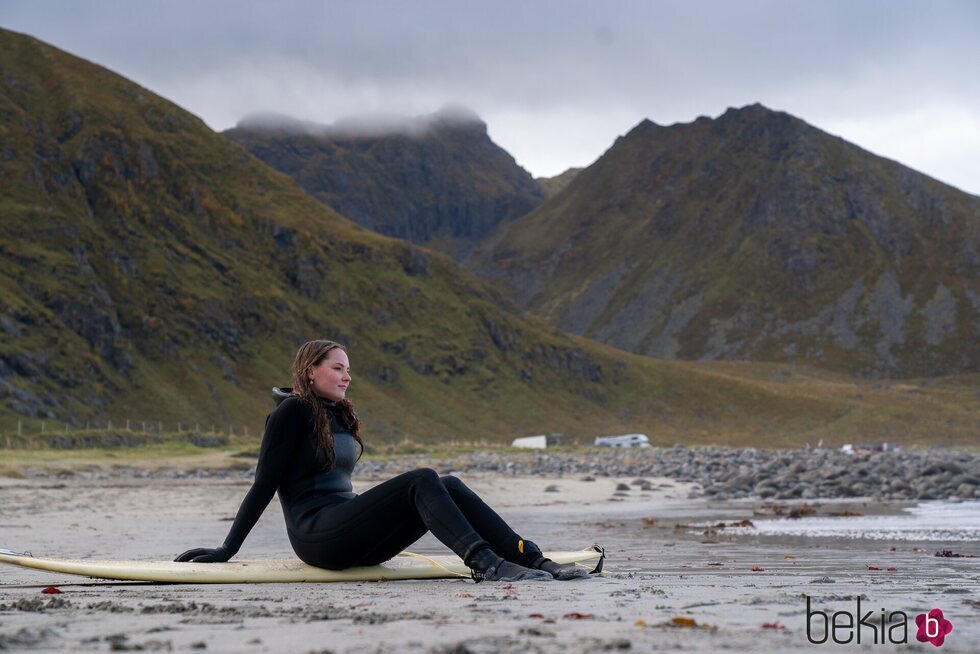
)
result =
(626, 440)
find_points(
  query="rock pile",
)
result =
(721, 473)
(731, 473)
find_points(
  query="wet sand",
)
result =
(659, 577)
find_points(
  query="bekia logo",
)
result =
(888, 627)
(933, 627)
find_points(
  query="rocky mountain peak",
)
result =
(755, 120)
(754, 235)
(436, 179)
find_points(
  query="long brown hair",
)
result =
(308, 356)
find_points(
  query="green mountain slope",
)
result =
(436, 180)
(754, 236)
(154, 270)
(552, 185)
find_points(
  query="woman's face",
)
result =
(331, 377)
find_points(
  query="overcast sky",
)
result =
(556, 82)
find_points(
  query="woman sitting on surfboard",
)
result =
(308, 454)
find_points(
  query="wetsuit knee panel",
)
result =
(455, 485)
(426, 475)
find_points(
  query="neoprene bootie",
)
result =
(485, 565)
(532, 556)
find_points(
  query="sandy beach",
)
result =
(674, 580)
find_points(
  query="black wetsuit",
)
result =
(329, 526)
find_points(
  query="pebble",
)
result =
(27, 637)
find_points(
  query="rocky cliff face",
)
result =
(436, 180)
(754, 236)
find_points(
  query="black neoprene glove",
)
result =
(205, 555)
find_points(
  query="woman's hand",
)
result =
(205, 555)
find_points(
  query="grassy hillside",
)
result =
(552, 185)
(754, 236)
(154, 270)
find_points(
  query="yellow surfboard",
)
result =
(404, 566)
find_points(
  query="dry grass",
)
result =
(11, 472)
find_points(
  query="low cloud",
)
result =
(365, 125)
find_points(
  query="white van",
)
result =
(538, 442)
(626, 440)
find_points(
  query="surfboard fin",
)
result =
(602, 557)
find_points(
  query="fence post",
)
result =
(127, 425)
(42, 426)
(178, 428)
(20, 427)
